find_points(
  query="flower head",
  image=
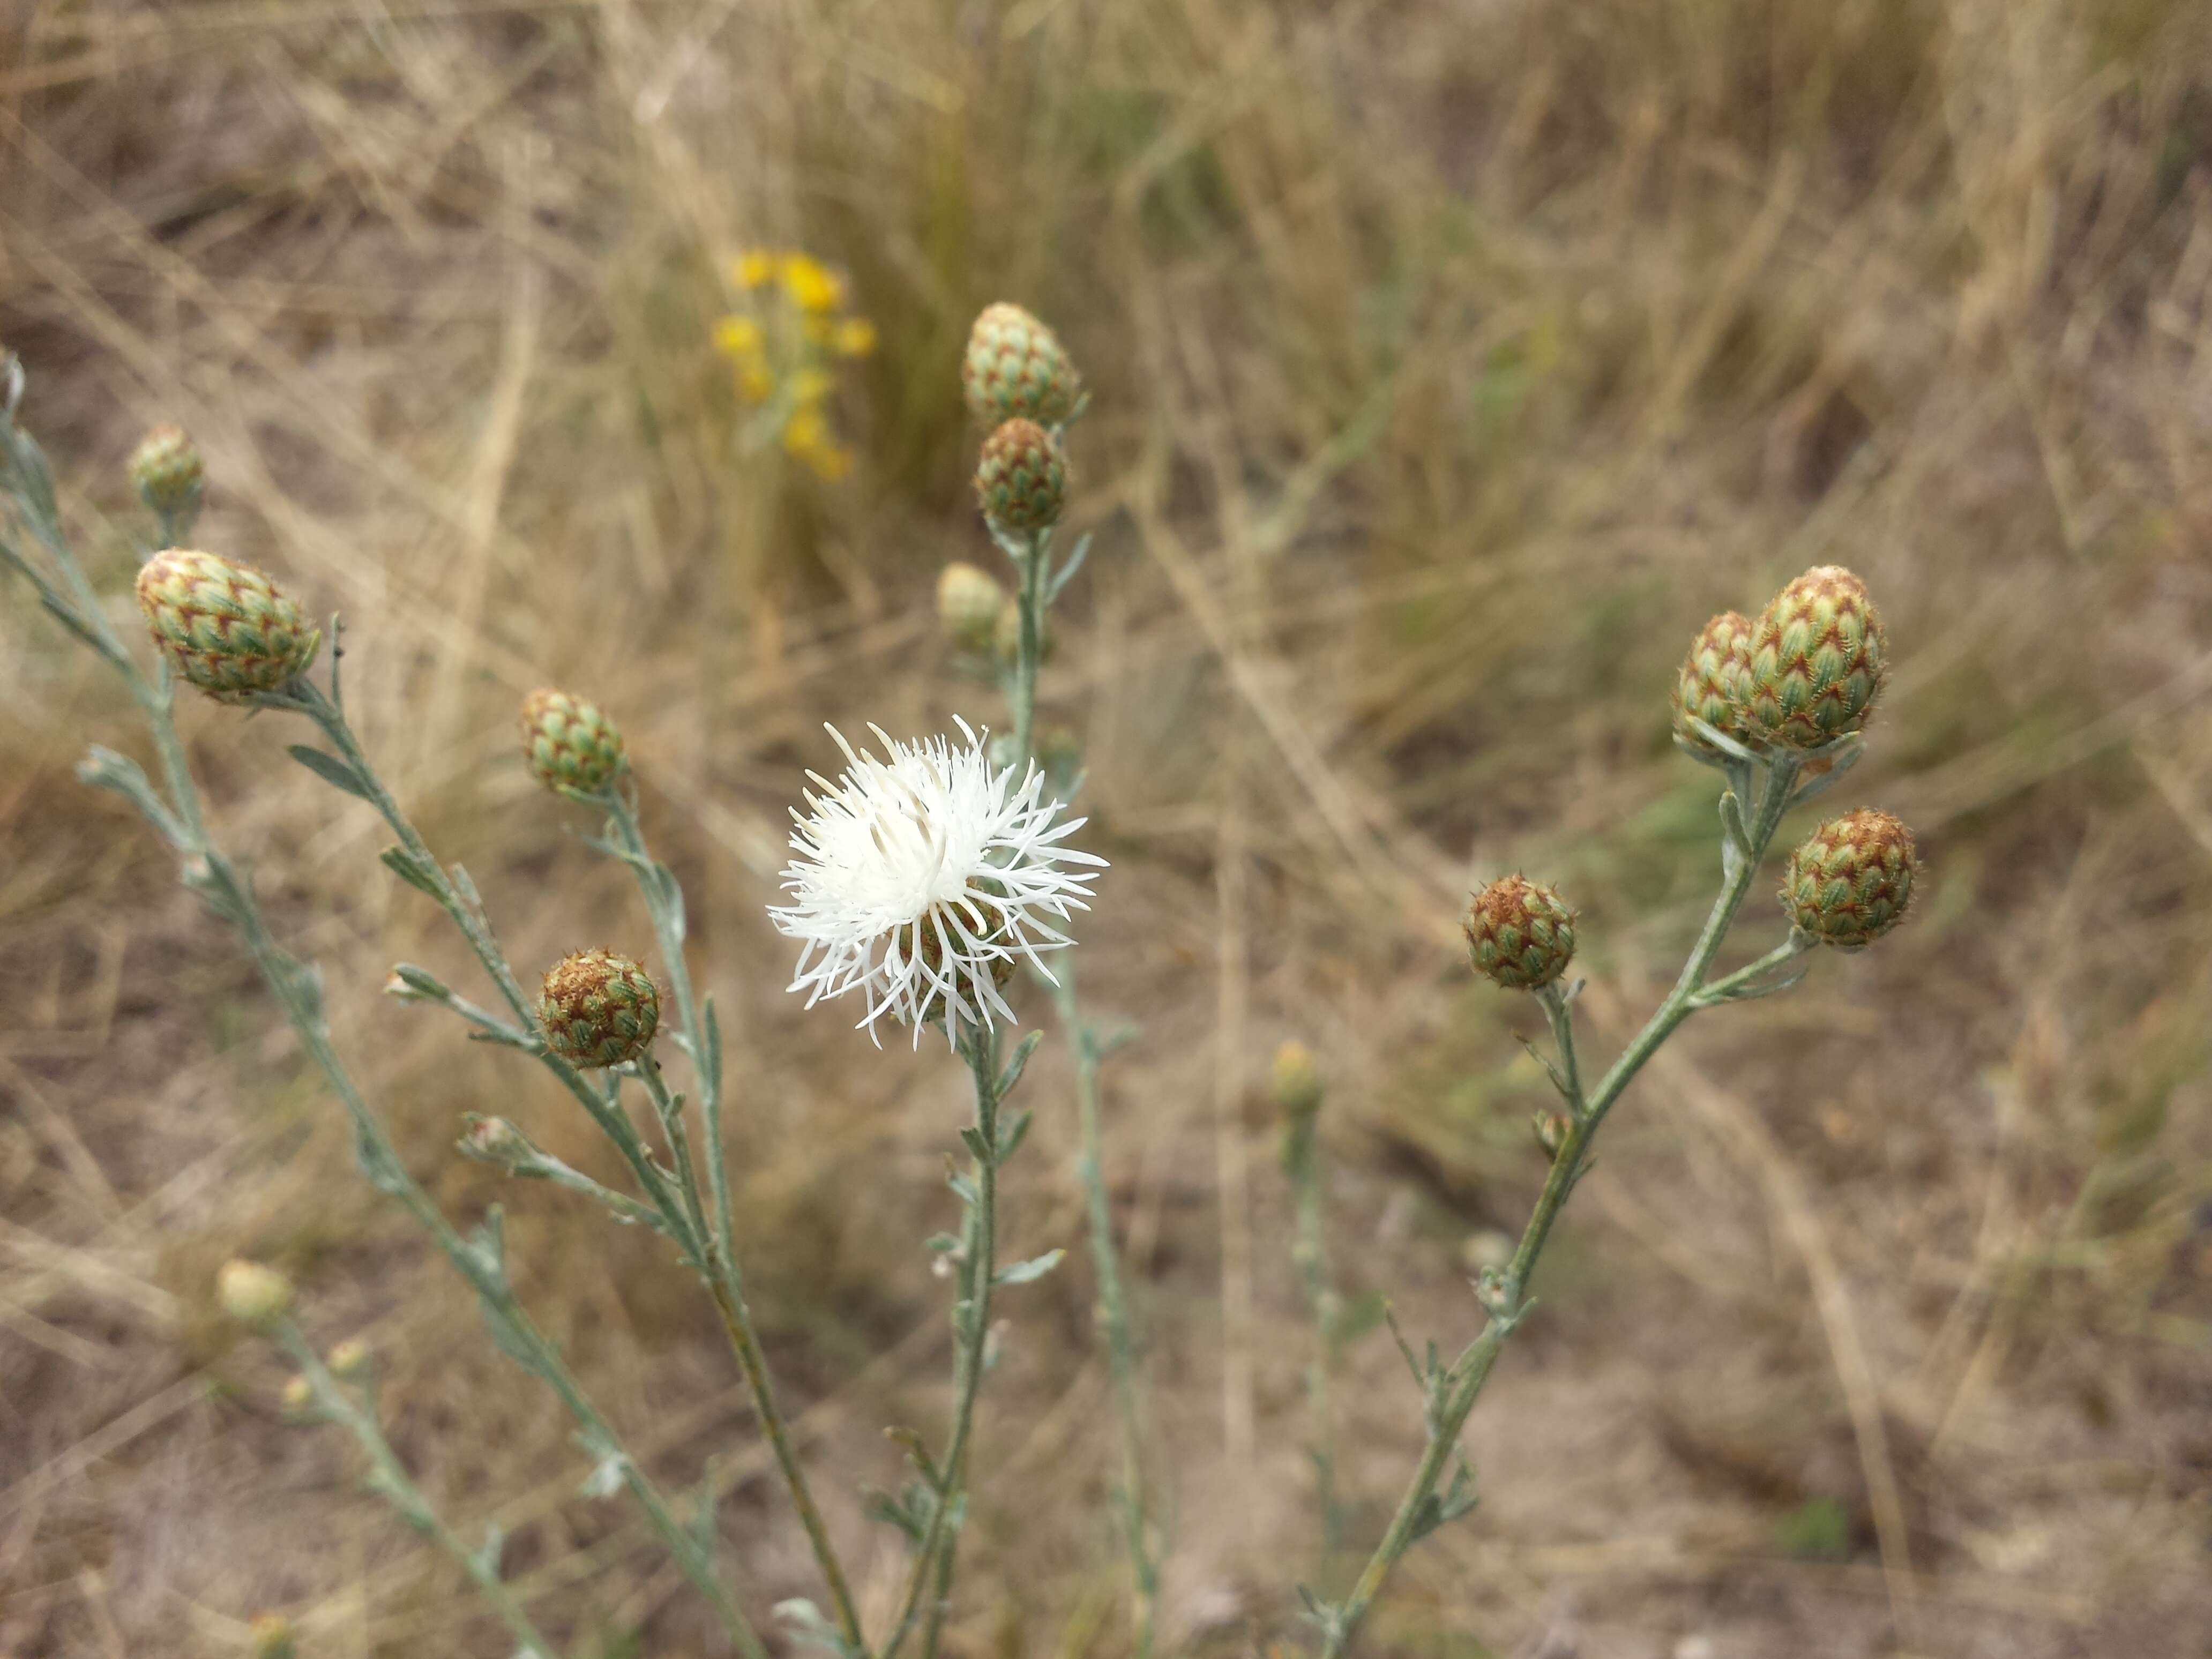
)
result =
(923, 876)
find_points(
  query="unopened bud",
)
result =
(1709, 684)
(165, 469)
(1295, 1082)
(1016, 365)
(223, 626)
(495, 1141)
(1519, 933)
(1550, 1129)
(272, 1636)
(1851, 881)
(968, 605)
(252, 1294)
(1022, 477)
(350, 1359)
(299, 1395)
(411, 984)
(598, 1009)
(568, 743)
(1818, 658)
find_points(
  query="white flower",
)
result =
(922, 878)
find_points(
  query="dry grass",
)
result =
(1453, 361)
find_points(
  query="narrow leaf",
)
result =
(409, 868)
(1023, 1272)
(1019, 1063)
(1011, 1133)
(332, 770)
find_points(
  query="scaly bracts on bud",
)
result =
(1519, 933)
(223, 626)
(569, 744)
(1709, 684)
(252, 1294)
(1819, 656)
(1851, 881)
(1016, 365)
(967, 603)
(167, 470)
(1022, 478)
(598, 1009)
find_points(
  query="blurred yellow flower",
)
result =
(812, 287)
(784, 353)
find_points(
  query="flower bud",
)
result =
(1707, 686)
(299, 1396)
(495, 1141)
(568, 743)
(1294, 1082)
(166, 467)
(967, 603)
(1016, 365)
(1851, 880)
(598, 1009)
(222, 626)
(350, 1359)
(252, 1294)
(1022, 478)
(271, 1635)
(1819, 656)
(1519, 933)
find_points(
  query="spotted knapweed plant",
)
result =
(924, 880)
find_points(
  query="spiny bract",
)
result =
(569, 743)
(1520, 933)
(1819, 656)
(223, 626)
(1022, 478)
(598, 1009)
(1851, 881)
(1016, 365)
(1709, 684)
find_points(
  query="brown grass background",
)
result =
(1454, 359)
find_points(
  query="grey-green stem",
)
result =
(389, 1479)
(971, 1333)
(1464, 1381)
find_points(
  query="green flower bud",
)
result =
(299, 1396)
(166, 467)
(1707, 687)
(568, 743)
(1851, 880)
(598, 1009)
(222, 626)
(1016, 365)
(1520, 933)
(495, 1141)
(967, 603)
(252, 1294)
(271, 1632)
(1819, 656)
(1022, 479)
(349, 1359)
(1294, 1082)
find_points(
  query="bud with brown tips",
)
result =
(598, 1009)
(1709, 684)
(1016, 365)
(223, 626)
(1851, 881)
(1520, 933)
(569, 744)
(1819, 659)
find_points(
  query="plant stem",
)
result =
(1113, 1305)
(1471, 1370)
(1310, 1257)
(390, 1478)
(725, 1280)
(971, 1324)
(1024, 692)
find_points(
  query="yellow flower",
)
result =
(812, 286)
(753, 267)
(806, 438)
(856, 337)
(738, 336)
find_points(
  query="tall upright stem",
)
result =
(971, 1324)
(1463, 1382)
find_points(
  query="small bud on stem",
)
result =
(598, 1009)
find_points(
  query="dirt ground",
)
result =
(1451, 363)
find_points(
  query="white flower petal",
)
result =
(905, 842)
